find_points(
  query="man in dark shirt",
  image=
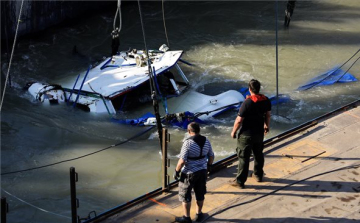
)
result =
(288, 12)
(253, 120)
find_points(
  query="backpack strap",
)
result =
(200, 141)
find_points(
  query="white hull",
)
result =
(102, 88)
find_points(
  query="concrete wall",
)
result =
(38, 15)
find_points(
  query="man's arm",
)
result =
(267, 122)
(210, 160)
(179, 165)
(237, 124)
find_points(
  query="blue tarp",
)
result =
(330, 77)
(138, 121)
(181, 122)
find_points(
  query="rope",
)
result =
(143, 32)
(281, 188)
(118, 12)
(43, 210)
(79, 157)
(152, 81)
(208, 112)
(335, 70)
(12, 53)
(348, 69)
(168, 44)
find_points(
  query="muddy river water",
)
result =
(229, 43)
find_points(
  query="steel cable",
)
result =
(41, 209)
(163, 11)
(12, 53)
(79, 157)
(336, 70)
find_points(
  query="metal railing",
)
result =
(216, 166)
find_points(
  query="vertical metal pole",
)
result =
(4, 209)
(277, 62)
(74, 202)
(165, 182)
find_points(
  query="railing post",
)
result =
(74, 200)
(4, 209)
(165, 161)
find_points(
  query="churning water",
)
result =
(228, 42)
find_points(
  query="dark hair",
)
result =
(254, 86)
(194, 127)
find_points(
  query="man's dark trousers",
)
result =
(246, 144)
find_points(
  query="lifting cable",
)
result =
(79, 157)
(12, 53)
(115, 34)
(152, 82)
(349, 68)
(118, 12)
(279, 189)
(338, 69)
(163, 11)
(41, 209)
(208, 112)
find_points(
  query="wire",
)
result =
(152, 81)
(79, 157)
(281, 188)
(348, 69)
(43, 210)
(143, 32)
(334, 70)
(12, 53)
(208, 112)
(168, 44)
(118, 12)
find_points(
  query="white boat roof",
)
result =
(120, 73)
(197, 102)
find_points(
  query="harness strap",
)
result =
(200, 141)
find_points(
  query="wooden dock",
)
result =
(312, 176)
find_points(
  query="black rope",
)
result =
(76, 158)
(167, 39)
(281, 188)
(152, 84)
(348, 69)
(208, 112)
(143, 30)
(334, 70)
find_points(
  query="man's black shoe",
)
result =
(183, 219)
(236, 184)
(199, 217)
(258, 179)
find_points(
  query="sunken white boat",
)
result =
(115, 81)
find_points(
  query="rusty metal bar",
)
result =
(4, 209)
(312, 157)
(165, 178)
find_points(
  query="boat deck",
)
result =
(311, 176)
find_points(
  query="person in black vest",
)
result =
(195, 157)
(289, 12)
(115, 42)
(253, 121)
